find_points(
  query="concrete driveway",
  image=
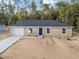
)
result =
(6, 43)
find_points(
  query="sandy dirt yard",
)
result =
(48, 48)
(4, 35)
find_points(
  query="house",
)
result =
(44, 28)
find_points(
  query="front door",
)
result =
(40, 31)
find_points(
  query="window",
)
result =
(48, 30)
(30, 30)
(64, 30)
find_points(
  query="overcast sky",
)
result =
(49, 1)
(44, 1)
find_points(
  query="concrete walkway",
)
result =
(6, 43)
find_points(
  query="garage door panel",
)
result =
(17, 31)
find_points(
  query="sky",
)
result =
(51, 2)
(38, 1)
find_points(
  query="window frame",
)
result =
(64, 30)
(31, 31)
(48, 30)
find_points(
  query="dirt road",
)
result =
(48, 48)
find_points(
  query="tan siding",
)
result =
(34, 31)
(54, 31)
(58, 32)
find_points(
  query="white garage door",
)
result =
(17, 31)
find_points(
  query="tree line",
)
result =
(63, 11)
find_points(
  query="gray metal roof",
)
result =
(39, 23)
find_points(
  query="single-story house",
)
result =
(44, 28)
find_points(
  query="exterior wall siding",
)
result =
(57, 32)
(34, 31)
(54, 31)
